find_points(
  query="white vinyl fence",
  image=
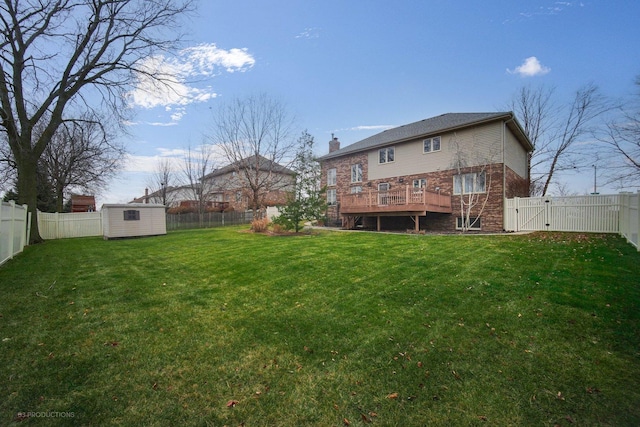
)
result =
(617, 213)
(65, 225)
(13, 229)
(630, 217)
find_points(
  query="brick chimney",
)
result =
(146, 195)
(334, 144)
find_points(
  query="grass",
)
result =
(222, 327)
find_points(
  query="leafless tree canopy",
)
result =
(161, 182)
(197, 164)
(621, 144)
(556, 130)
(60, 54)
(81, 156)
(256, 135)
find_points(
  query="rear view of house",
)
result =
(446, 173)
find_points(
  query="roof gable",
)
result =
(424, 128)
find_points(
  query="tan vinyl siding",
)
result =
(152, 221)
(482, 145)
(515, 154)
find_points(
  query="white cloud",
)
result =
(174, 83)
(309, 33)
(529, 68)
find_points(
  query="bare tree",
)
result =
(256, 136)
(162, 182)
(472, 183)
(197, 164)
(59, 54)
(621, 147)
(81, 156)
(537, 113)
(556, 131)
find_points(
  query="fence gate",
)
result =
(593, 213)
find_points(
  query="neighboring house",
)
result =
(80, 203)
(445, 173)
(235, 183)
(229, 188)
(173, 196)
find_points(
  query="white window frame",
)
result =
(429, 143)
(356, 189)
(383, 186)
(331, 197)
(385, 153)
(356, 173)
(332, 177)
(420, 183)
(470, 183)
(475, 221)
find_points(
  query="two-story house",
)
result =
(242, 185)
(446, 173)
(252, 182)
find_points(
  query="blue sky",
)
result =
(355, 68)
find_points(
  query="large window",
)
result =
(386, 155)
(471, 223)
(331, 177)
(356, 173)
(331, 196)
(467, 183)
(430, 145)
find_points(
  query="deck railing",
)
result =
(397, 199)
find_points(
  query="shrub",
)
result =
(260, 225)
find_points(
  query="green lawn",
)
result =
(224, 327)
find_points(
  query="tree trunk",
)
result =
(28, 192)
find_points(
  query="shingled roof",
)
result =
(263, 163)
(423, 128)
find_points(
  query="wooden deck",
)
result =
(400, 201)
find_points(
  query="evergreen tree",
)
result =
(306, 201)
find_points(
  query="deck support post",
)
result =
(417, 223)
(378, 224)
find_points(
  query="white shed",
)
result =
(133, 220)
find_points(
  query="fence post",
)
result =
(637, 218)
(12, 227)
(24, 241)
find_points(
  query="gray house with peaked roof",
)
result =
(446, 173)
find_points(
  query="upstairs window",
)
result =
(386, 155)
(430, 145)
(331, 177)
(356, 173)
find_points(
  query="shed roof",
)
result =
(434, 125)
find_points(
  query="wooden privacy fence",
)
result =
(14, 220)
(617, 213)
(66, 225)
